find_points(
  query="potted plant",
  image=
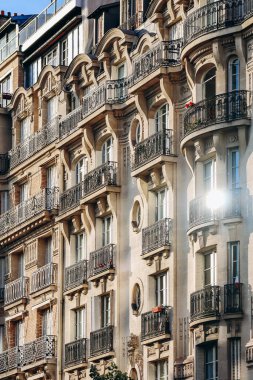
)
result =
(157, 309)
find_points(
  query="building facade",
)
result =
(126, 219)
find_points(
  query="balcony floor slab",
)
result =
(148, 342)
(96, 358)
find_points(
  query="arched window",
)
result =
(209, 84)
(81, 169)
(234, 74)
(162, 118)
(107, 151)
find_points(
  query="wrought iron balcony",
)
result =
(46, 200)
(34, 143)
(233, 298)
(155, 324)
(4, 163)
(110, 92)
(223, 108)
(70, 198)
(102, 260)
(1, 294)
(16, 290)
(200, 211)
(75, 275)
(75, 352)
(249, 352)
(41, 19)
(10, 359)
(43, 348)
(44, 277)
(69, 123)
(160, 143)
(104, 175)
(101, 341)
(164, 54)
(7, 50)
(133, 22)
(215, 16)
(156, 236)
(205, 303)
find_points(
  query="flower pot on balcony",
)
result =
(157, 309)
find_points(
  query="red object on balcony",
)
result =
(157, 309)
(189, 104)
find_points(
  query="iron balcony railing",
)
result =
(1, 294)
(233, 298)
(160, 143)
(164, 54)
(70, 198)
(75, 352)
(16, 290)
(201, 211)
(34, 143)
(133, 22)
(45, 200)
(102, 260)
(41, 348)
(101, 341)
(156, 236)
(110, 92)
(7, 50)
(10, 359)
(215, 16)
(104, 175)
(70, 122)
(4, 163)
(205, 303)
(41, 19)
(231, 106)
(43, 277)
(75, 275)
(155, 324)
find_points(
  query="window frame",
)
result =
(161, 293)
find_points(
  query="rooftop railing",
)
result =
(7, 50)
(41, 19)
(227, 107)
(45, 200)
(34, 143)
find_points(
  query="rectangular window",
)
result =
(20, 265)
(64, 53)
(51, 58)
(1, 338)
(209, 175)
(105, 310)
(161, 204)
(51, 109)
(23, 192)
(162, 370)
(233, 262)
(80, 323)
(5, 90)
(47, 322)
(51, 177)
(19, 334)
(107, 230)
(161, 289)
(4, 201)
(235, 358)
(81, 247)
(2, 272)
(211, 363)
(210, 269)
(233, 168)
(48, 250)
(107, 151)
(24, 129)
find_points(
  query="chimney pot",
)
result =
(15, 14)
(9, 14)
(2, 13)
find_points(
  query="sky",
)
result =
(23, 6)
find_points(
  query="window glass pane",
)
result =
(162, 118)
(233, 168)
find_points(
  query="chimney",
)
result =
(2, 13)
(15, 14)
(9, 14)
